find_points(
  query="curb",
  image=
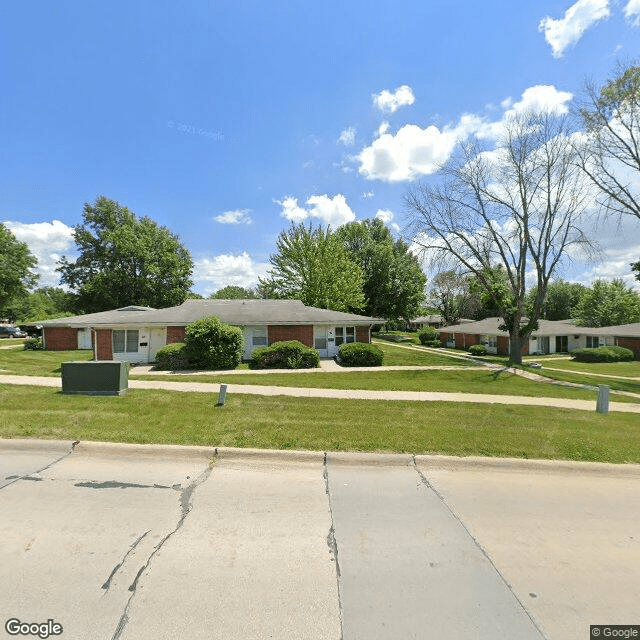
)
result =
(354, 458)
(34, 444)
(453, 463)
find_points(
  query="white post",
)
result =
(223, 395)
(602, 404)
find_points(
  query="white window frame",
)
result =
(342, 334)
(127, 340)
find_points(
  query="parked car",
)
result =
(12, 332)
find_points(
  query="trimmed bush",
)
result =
(33, 344)
(291, 354)
(360, 354)
(212, 344)
(602, 354)
(172, 357)
(429, 337)
(478, 350)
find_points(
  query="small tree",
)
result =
(212, 344)
(233, 292)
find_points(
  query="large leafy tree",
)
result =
(606, 304)
(518, 207)
(125, 260)
(562, 297)
(393, 279)
(610, 154)
(312, 265)
(43, 303)
(233, 292)
(17, 273)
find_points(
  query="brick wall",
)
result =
(503, 345)
(630, 343)
(279, 333)
(60, 338)
(103, 344)
(363, 334)
(175, 334)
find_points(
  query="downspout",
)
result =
(95, 343)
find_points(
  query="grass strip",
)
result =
(459, 429)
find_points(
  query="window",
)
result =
(489, 341)
(562, 344)
(345, 334)
(592, 342)
(125, 340)
(259, 338)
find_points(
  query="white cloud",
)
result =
(367, 194)
(391, 102)
(348, 136)
(237, 216)
(413, 151)
(214, 272)
(387, 217)
(632, 12)
(566, 31)
(334, 211)
(48, 242)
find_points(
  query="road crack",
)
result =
(186, 495)
(332, 543)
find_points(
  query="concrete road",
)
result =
(130, 542)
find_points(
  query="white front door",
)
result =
(157, 340)
(254, 338)
(320, 343)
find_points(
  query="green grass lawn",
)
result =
(627, 369)
(485, 382)
(38, 363)
(395, 355)
(612, 383)
(320, 424)
(10, 342)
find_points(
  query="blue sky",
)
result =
(225, 121)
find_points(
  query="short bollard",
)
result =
(223, 395)
(602, 404)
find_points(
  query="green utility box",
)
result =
(98, 378)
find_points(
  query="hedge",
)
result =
(360, 354)
(33, 344)
(603, 354)
(212, 344)
(291, 354)
(478, 350)
(429, 337)
(172, 357)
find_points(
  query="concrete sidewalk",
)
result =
(343, 394)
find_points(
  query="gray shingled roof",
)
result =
(489, 326)
(236, 312)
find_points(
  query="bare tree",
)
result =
(610, 153)
(507, 211)
(450, 293)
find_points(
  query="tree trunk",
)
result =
(515, 347)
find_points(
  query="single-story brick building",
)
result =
(136, 333)
(552, 336)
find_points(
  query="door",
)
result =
(320, 342)
(157, 340)
(562, 344)
(254, 338)
(543, 344)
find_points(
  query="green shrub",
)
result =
(212, 344)
(291, 354)
(33, 344)
(478, 350)
(172, 357)
(360, 354)
(602, 354)
(429, 337)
